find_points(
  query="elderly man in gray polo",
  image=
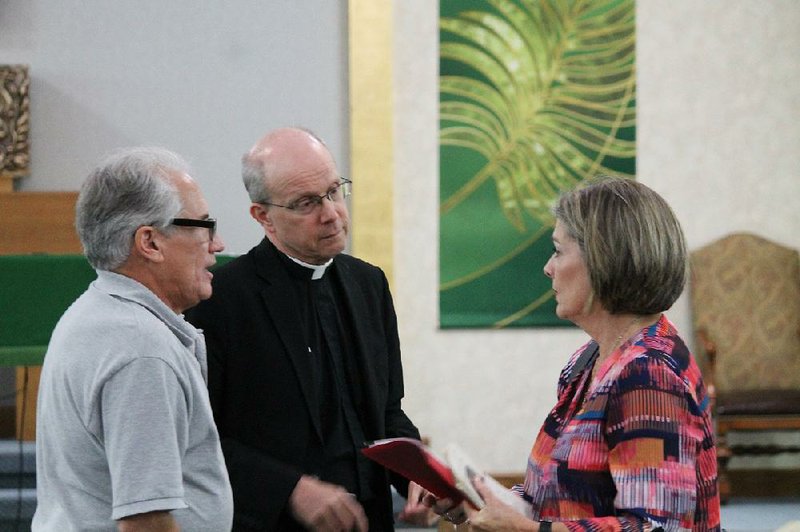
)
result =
(125, 435)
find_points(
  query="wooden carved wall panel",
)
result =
(14, 121)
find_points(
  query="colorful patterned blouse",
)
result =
(634, 452)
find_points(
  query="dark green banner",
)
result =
(534, 98)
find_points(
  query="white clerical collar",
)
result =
(319, 269)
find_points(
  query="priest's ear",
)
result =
(263, 216)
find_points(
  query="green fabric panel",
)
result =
(534, 99)
(35, 290)
(223, 259)
(22, 355)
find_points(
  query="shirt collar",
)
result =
(318, 270)
(125, 287)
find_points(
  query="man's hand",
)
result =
(444, 508)
(148, 522)
(416, 512)
(323, 506)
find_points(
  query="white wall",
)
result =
(718, 131)
(204, 79)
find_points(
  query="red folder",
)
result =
(412, 459)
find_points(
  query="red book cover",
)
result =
(412, 459)
(447, 477)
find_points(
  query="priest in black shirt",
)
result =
(303, 354)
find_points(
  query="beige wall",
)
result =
(718, 136)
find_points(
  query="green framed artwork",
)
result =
(535, 97)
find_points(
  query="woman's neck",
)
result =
(612, 330)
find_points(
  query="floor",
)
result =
(762, 515)
(746, 515)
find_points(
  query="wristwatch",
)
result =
(545, 526)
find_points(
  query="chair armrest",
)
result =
(708, 345)
(710, 349)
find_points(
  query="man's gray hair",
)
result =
(254, 179)
(128, 190)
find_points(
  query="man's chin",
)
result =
(334, 246)
(204, 294)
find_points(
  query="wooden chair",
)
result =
(745, 296)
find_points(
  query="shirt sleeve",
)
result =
(145, 431)
(654, 434)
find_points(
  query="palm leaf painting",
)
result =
(535, 96)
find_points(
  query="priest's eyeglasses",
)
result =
(308, 204)
(208, 223)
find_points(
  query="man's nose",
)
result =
(327, 208)
(217, 244)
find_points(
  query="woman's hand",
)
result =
(496, 515)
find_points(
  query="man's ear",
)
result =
(260, 213)
(148, 243)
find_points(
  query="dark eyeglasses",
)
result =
(308, 204)
(208, 223)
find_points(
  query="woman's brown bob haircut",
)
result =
(632, 243)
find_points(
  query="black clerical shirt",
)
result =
(326, 323)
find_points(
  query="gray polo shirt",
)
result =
(124, 424)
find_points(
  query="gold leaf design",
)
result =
(551, 85)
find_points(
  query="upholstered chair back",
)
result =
(745, 295)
